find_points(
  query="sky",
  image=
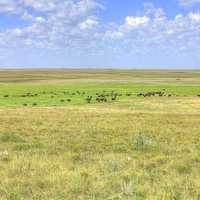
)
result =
(163, 34)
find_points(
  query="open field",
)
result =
(55, 144)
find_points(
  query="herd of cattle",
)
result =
(151, 94)
(99, 97)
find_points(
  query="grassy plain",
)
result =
(132, 148)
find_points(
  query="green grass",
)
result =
(133, 148)
(46, 91)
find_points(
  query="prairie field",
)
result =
(99, 134)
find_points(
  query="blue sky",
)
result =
(100, 33)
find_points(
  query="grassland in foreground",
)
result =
(134, 147)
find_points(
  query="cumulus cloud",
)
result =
(9, 6)
(131, 24)
(88, 23)
(41, 5)
(74, 25)
(194, 17)
(155, 30)
(188, 2)
(57, 24)
(136, 21)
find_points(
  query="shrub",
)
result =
(142, 142)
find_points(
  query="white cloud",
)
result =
(73, 25)
(88, 23)
(115, 35)
(136, 21)
(57, 24)
(131, 24)
(194, 17)
(158, 31)
(41, 5)
(8, 6)
(188, 2)
(40, 20)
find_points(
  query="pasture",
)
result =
(99, 134)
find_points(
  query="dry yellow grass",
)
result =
(140, 149)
